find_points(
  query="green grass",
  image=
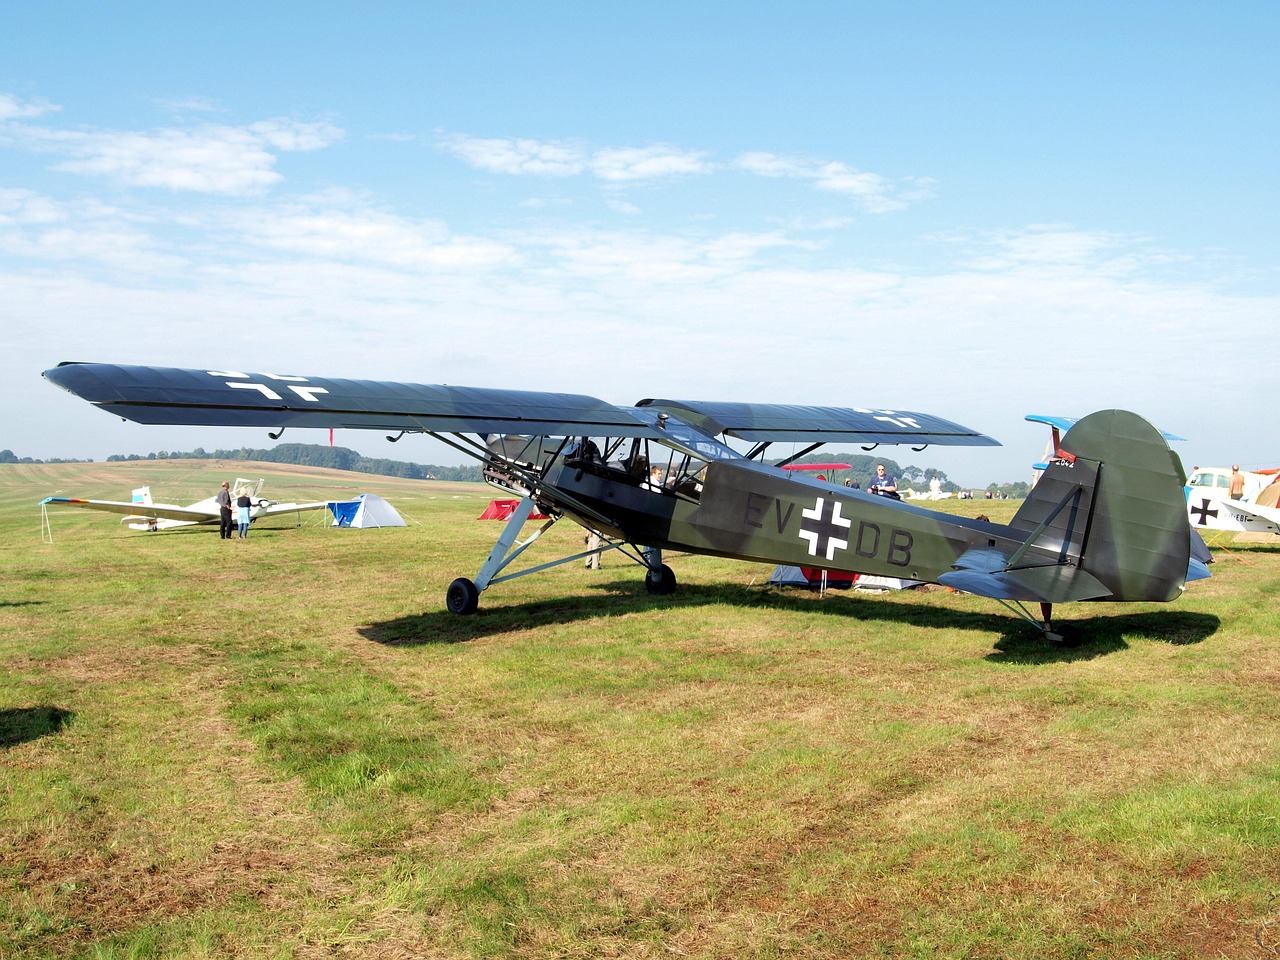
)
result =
(287, 748)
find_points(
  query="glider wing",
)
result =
(137, 511)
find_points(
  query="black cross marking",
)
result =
(825, 529)
(1204, 512)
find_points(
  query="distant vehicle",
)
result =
(141, 513)
(1107, 520)
(1210, 507)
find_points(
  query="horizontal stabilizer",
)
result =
(985, 572)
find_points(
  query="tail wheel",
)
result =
(663, 585)
(1062, 635)
(462, 597)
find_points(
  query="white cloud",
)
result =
(189, 105)
(211, 158)
(617, 164)
(351, 232)
(622, 206)
(39, 229)
(11, 108)
(875, 193)
(516, 156)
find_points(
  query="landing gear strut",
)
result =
(463, 595)
(658, 577)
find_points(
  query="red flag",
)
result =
(331, 436)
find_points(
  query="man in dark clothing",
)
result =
(224, 510)
(884, 484)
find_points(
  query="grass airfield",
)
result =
(285, 747)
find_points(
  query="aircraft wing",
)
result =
(233, 398)
(237, 399)
(137, 511)
(760, 422)
(1250, 513)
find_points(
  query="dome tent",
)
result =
(366, 510)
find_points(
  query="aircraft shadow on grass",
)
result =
(1015, 642)
(20, 725)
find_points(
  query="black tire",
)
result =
(462, 597)
(660, 587)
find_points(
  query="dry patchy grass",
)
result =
(287, 748)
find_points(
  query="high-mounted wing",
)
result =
(776, 422)
(167, 395)
(137, 511)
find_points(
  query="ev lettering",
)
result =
(783, 519)
(757, 509)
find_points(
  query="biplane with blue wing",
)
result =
(1107, 521)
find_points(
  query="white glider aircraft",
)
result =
(142, 514)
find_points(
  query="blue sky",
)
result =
(974, 210)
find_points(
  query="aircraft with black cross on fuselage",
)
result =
(1106, 521)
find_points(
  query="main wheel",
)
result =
(660, 587)
(462, 597)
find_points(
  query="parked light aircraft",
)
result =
(1210, 507)
(1107, 520)
(142, 514)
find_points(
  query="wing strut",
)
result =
(796, 456)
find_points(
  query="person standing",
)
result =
(1236, 491)
(243, 503)
(224, 510)
(594, 542)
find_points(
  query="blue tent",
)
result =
(366, 510)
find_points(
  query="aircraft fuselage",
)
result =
(746, 511)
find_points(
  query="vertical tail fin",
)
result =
(142, 495)
(1112, 504)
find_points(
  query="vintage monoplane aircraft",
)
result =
(1107, 520)
(1210, 507)
(142, 513)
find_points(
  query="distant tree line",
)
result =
(8, 456)
(317, 455)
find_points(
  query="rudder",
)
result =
(1116, 487)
